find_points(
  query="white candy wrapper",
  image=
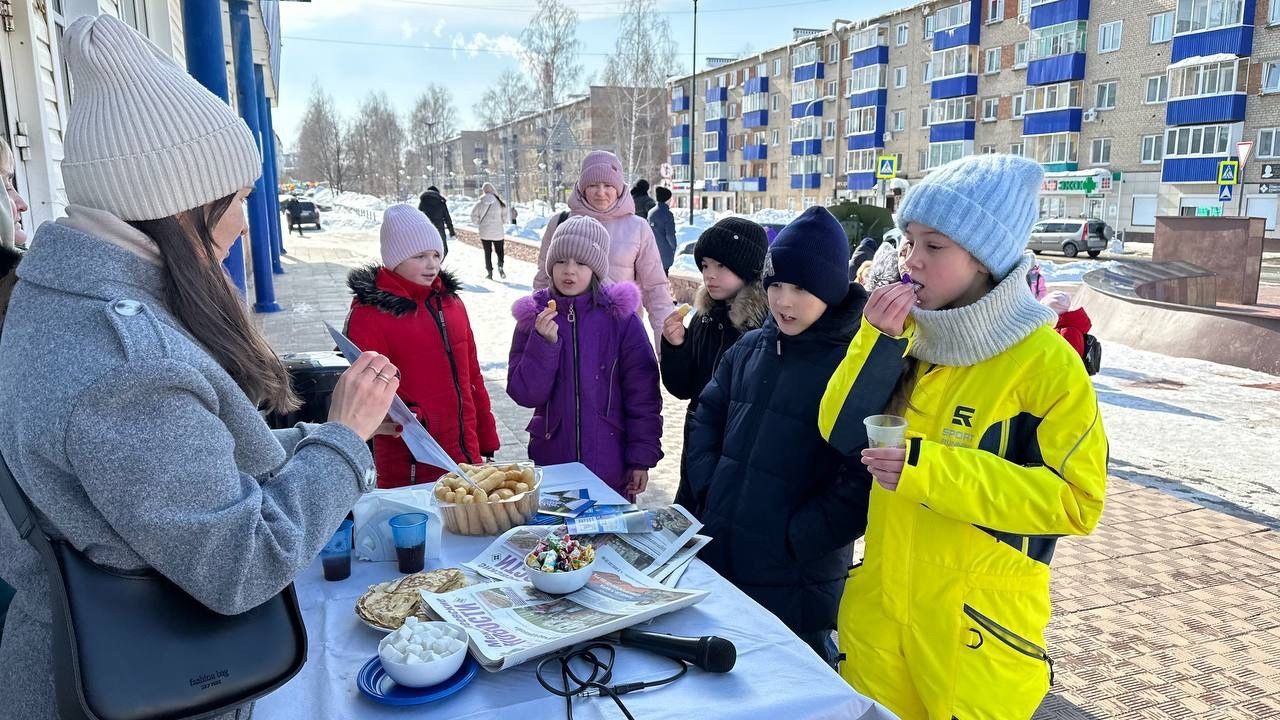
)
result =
(373, 540)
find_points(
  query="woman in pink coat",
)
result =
(633, 252)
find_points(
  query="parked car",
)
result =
(1070, 236)
(302, 212)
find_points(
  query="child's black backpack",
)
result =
(1092, 354)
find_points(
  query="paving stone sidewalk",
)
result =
(1169, 610)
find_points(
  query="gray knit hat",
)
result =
(145, 140)
(583, 239)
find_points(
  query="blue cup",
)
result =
(336, 555)
(409, 530)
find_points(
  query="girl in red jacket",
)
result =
(409, 310)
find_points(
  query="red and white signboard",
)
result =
(1244, 149)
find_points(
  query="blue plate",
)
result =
(376, 685)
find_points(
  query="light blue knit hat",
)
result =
(985, 203)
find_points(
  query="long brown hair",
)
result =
(900, 400)
(201, 296)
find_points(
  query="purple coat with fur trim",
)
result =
(596, 398)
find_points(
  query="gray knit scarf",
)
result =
(971, 334)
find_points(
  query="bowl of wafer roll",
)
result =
(502, 497)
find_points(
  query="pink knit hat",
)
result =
(601, 166)
(406, 231)
(583, 239)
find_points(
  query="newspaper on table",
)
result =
(511, 622)
(655, 554)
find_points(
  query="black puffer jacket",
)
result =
(436, 208)
(782, 506)
(644, 203)
(713, 329)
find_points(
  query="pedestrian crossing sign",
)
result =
(1229, 172)
(886, 167)
(1224, 193)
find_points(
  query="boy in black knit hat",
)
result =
(730, 302)
(782, 506)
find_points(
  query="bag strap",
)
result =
(19, 507)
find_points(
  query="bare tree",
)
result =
(320, 144)
(551, 48)
(432, 120)
(375, 140)
(509, 98)
(644, 57)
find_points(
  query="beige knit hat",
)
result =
(145, 140)
(406, 232)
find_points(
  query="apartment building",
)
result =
(1130, 107)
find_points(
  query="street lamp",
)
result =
(693, 110)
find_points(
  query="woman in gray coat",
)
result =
(131, 376)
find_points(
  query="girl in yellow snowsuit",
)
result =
(1005, 453)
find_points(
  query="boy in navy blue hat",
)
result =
(782, 505)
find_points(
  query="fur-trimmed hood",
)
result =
(618, 299)
(386, 294)
(747, 309)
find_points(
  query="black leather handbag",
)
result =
(135, 646)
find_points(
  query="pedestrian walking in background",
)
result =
(436, 208)
(489, 216)
(640, 194)
(663, 224)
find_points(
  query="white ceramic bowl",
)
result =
(561, 583)
(426, 674)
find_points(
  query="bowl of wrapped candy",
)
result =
(560, 564)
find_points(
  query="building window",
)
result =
(1157, 89)
(860, 161)
(951, 110)
(1105, 97)
(833, 53)
(992, 63)
(1019, 105)
(1056, 148)
(1101, 151)
(1263, 206)
(776, 136)
(1058, 96)
(955, 61)
(860, 120)
(1269, 142)
(1020, 55)
(733, 110)
(828, 166)
(1162, 26)
(711, 171)
(1061, 39)
(990, 109)
(942, 153)
(922, 160)
(777, 67)
(1271, 75)
(831, 130)
(1273, 14)
(1015, 149)
(775, 101)
(902, 34)
(807, 55)
(899, 120)
(1197, 15)
(988, 149)
(926, 72)
(1152, 149)
(900, 74)
(953, 16)
(715, 110)
(995, 11)
(711, 141)
(1209, 79)
(872, 77)
(762, 70)
(924, 116)
(134, 13)
(1202, 141)
(1109, 36)
(930, 22)
(832, 88)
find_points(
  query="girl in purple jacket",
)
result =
(582, 360)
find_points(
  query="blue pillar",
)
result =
(270, 135)
(267, 142)
(264, 292)
(207, 63)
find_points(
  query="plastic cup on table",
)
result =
(409, 530)
(335, 557)
(886, 431)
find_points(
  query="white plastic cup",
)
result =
(886, 431)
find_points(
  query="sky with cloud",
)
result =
(352, 47)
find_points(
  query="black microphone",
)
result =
(710, 653)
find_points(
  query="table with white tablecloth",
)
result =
(776, 674)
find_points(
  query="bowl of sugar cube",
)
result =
(421, 654)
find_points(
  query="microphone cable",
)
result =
(597, 680)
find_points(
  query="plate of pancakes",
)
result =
(387, 605)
